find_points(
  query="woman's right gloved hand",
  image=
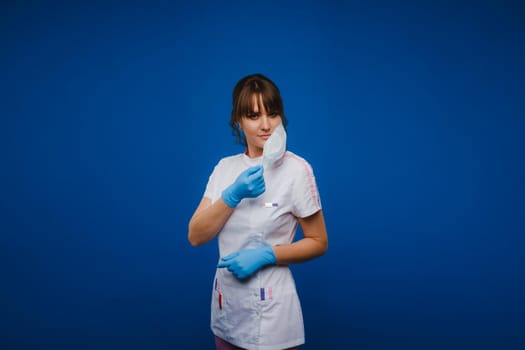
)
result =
(249, 184)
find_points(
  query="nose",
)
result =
(265, 123)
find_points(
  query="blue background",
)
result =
(410, 112)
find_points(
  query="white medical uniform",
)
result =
(262, 312)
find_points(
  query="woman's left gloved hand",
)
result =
(245, 263)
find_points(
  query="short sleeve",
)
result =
(306, 200)
(212, 185)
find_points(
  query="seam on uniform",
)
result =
(309, 175)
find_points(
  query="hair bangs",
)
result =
(249, 98)
(272, 103)
(245, 103)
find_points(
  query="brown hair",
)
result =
(245, 89)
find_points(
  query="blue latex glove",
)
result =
(245, 263)
(249, 184)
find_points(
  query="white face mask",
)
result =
(274, 147)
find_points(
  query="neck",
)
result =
(253, 153)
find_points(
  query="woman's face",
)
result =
(258, 126)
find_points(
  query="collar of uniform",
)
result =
(251, 161)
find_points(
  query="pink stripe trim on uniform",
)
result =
(311, 181)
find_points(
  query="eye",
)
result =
(273, 114)
(252, 115)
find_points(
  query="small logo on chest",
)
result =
(269, 205)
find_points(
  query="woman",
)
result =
(254, 212)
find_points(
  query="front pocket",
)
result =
(283, 319)
(218, 317)
(242, 313)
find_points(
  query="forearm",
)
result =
(303, 250)
(313, 245)
(206, 223)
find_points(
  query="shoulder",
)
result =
(231, 159)
(228, 161)
(297, 163)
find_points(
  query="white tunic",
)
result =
(262, 312)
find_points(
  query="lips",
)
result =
(265, 136)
